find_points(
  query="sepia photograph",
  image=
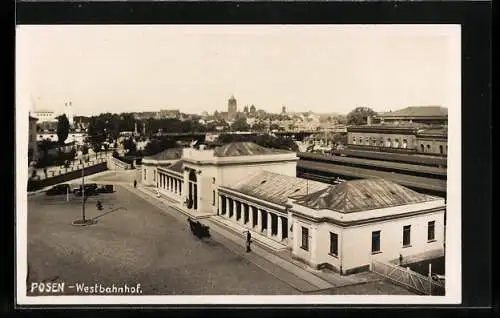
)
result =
(238, 164)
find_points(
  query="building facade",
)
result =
(32, 139)
(44, 116)
(343, 227)
(433, 141)
(251, 188)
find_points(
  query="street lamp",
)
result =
(83, 190)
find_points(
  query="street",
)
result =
(133, 242)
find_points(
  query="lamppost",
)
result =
(83, 190)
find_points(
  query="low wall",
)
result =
(117, 164)
(34, 185)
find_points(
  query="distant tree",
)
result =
(274, 127)
(359, 115)
(84, 149)
(129, 145)
(240, 125)
(62, 129)
(340, 138)
(260, 126)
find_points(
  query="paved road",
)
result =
(133, 242)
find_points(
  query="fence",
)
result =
(408, 278)
(34, 184)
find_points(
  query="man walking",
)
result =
(249, 239)
(135, 184)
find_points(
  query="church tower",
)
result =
(68, 111)
(231, 108)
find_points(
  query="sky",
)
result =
(319, 68)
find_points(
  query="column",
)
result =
(259, 220)
(175, 185)
(269, 221)
(234, 210)
(219, 212)
(242, 213)
(280, 229)
(171, 184)
(228, 207)
(180, 187)
(168, 183)
(250, 216)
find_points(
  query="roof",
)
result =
(416, 182)
(433, 131)
(417, 111)
(177, 166)
(245, 149)
(169, 154)
(276, 188)
(361, 195)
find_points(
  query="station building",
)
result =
(251, 188)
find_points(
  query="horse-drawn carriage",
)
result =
(198, 229)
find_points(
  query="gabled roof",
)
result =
(276, 188)
(177, 166)
(417, 111)
(361, 195)
(245, 149)
(169, 154)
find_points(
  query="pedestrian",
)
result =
(135, 184)
(45, 172)
(249, 239)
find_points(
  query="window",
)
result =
(305, 238)
(406, 235)
(441, 150)
(213, 197)
(334, 246)
(145, 170)
(354, 140)
(376, 242)
(431, 235)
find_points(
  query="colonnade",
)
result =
(254, 218)
(170, 183)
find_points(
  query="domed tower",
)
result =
(232, 108)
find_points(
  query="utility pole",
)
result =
(83, 190)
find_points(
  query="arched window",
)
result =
(396, 143)
(422, 149)
(428, 148)
(353, 140)
(441, 150)
(405, 143)
(388, 142)
(367, 141)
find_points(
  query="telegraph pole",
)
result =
(83, 190)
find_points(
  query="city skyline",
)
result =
(323, 69)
